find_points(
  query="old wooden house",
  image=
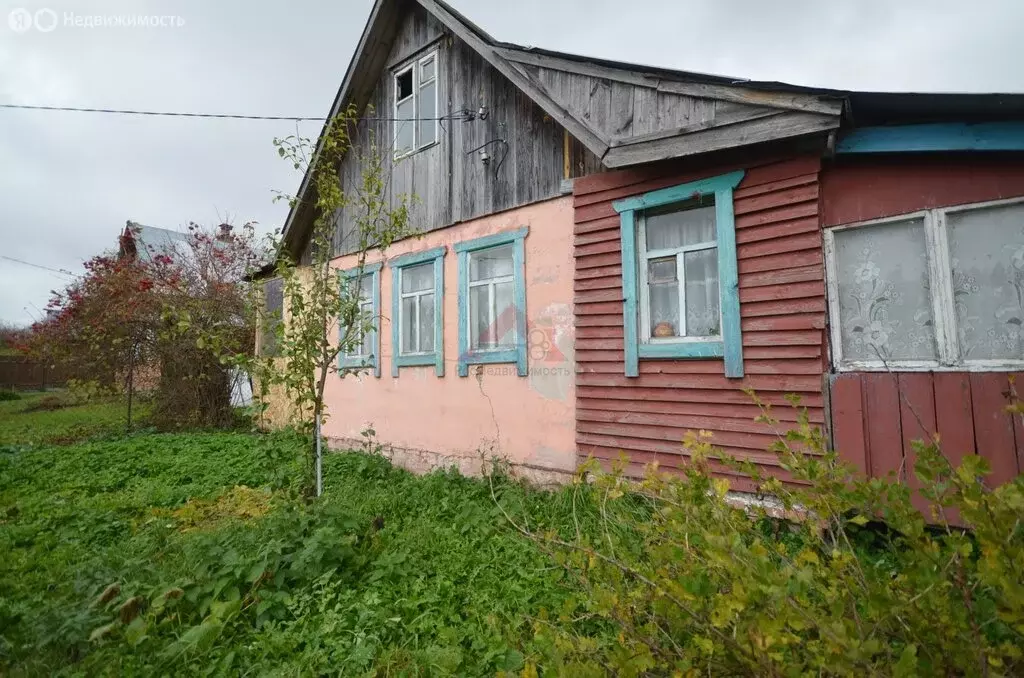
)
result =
(613, 253)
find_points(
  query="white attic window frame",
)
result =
(415, 68)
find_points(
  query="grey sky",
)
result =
(69, 181)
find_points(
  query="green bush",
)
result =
(854, 582)
(6, 395)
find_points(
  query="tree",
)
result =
(102, 326)
(323, 314)
(158, 311)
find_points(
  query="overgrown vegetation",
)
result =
(182, 554)
(858, 584)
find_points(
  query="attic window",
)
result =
(416, 105)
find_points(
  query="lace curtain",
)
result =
(884, 301)
(668, 231)
(986, 249)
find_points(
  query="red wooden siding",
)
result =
(782, 310)
(876, 417)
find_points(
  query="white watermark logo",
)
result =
(45, 20)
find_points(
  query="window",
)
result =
(416, 105)
(273, 309)
(679, 275)
(492, 301)
(417, 335)
(939, 289)
(367, 352)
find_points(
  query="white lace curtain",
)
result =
(886, 296)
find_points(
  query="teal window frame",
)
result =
(516, 354)
(344, 361)
(730, 346)
(436, 358)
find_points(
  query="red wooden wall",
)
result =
(782, 310)
(859, 189)
(876, 416)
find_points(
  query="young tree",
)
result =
(324, 318)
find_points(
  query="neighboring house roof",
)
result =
(146, 242)
(763, 110)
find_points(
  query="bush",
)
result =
(6, 395)
(48, 403)
(852, 582)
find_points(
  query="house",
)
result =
(613, 253)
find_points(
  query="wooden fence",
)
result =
(21, 374)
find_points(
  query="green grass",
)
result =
(387, 574)
(21, 426)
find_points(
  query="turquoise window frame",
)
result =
(345, 362)
(730, 346)
(517, 354)
(436, 358)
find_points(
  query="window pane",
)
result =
(408, 323)
(366, 311)
(273, 295)
(426, 323)
(700, 270)
(491, 263)
(986, 248)
(403, 85)
(418, 278)
(480, 334)
(662, 270)
(884, 304)
(428, 110)
(427, 69)
(663, 291)
(505, 315)
(669, 229)
(404, 131)
(366, 289)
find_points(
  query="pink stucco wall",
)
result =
(494, 412)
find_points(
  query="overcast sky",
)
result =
(69, 181)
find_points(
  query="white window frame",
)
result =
(416, 67)
(366, 305)
(402, 296)
(940, 275)
(492, 311)
(644, 256)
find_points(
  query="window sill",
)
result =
(682, 349)
(505, 355)
(928, 366)
(359, 362)
(418, 360)
(409, 154)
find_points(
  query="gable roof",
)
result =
(525, 67)
(145, 242)
(756, 111)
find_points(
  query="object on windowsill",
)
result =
(664, 329)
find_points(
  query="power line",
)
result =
(230, 116)
(458, 115)
(45, 268)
